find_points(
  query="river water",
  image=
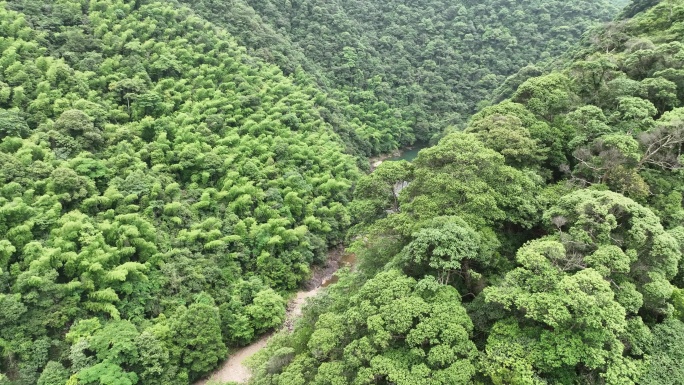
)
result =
(409, 154)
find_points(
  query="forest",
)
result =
(538, 245)
(400, 72)
(172, 172)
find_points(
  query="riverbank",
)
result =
(407, 153)
(377, 160)
(234, 369)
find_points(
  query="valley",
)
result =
(341, 192)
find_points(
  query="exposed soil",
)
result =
(234, 369)
(335, 261)
(377, 160)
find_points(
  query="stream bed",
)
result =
(408, 154)
(234, 369)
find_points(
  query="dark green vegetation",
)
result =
(398, 72)
(540, 245)
(169, 175)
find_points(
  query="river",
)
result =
(407, 153)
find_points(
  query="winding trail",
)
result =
(234, 369)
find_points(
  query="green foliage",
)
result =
(447, 248)
(267, 310)
(53, 374)
(12, 124)
(570, 320)
(377, 194)
(196, 334)
(397, 72)
(146, 158)
(106, 373)
(665, 364)
(461, 176)
(393, 328)
(507, 135)
(556, 217)
(166, 181)
(621, 240)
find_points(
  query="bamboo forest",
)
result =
(341, 192)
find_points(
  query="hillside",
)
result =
(159, 190)
(542, 244)
(399, 72)
(171, 172)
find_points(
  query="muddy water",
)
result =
(234, 369)
(346, 260)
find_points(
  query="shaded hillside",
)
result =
(397, 72)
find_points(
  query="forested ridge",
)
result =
(159, 190)
(541, 244)
(170, 172)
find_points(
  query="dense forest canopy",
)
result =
(542, 244)
(160, 190)
(170, 172)
(399, 72)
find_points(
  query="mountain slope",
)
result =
(554, 221)
(158, 188)
(402, 72)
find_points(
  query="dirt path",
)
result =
(234, 369)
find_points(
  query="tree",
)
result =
(447, 247)
(569, 322)
(622, 240)
(662, 93)
(77, 124)
(634, 115)
(105, 373)
(550, 140)
(546, 96)
(153, 365)
(506, 135)
(267, 310)
(612, 159)
(378, 193)
(661, 146)
(12, 124)
(394, 329)
(197, 335)
(115, 343)
(69, 185)
(666, 358)
(460, 176)
(54, 373)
